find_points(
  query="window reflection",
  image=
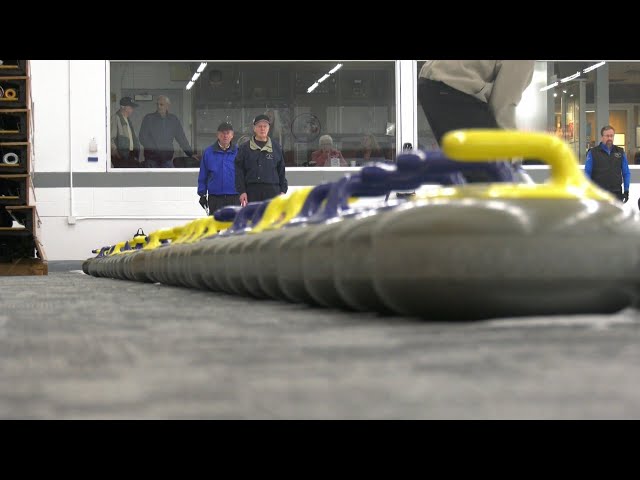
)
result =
(569, 108)
(353, 104)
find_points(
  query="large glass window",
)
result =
(562, 99)
(324, 114)
(576, 104)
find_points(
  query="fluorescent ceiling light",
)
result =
(323, 78)
(195, 77)
(593, 67)
(589, 111)
(555, 84)
(189, 85)
(570, 77)
(202, 66)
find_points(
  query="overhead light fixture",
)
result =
(335, 69)
(589, 111)
(555, 84)
(196, 75)
(324, 77)
(593, 67)
(570, 77)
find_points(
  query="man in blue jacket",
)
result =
(607, 166)
(217, 172)
(260, 171)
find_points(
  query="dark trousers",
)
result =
(256, 192)
(617, 193)
(131, 160)
(449, 109)
(216, 202)
(158, 158)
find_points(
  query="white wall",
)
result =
(74, 242)
(143, 205)
(50, 94)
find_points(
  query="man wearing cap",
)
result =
(217, 172)
(157, 132)
(125, 146)
(260, 170)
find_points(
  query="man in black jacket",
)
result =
(607, 166)
(260, 170)
(157, 132)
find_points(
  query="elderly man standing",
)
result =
(217, 172)
(125, 146)
(157, 132)
(260, 170)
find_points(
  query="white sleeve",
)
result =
(513, 77)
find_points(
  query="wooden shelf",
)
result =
(22, 241)
(24, 266)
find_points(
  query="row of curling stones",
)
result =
(465, 252)
(149, 258)
(190, 265)
(289, 270)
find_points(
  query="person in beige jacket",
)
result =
(458, 94)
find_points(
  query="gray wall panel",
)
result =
(190, 179)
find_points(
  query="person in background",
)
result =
(369, 150)
(327, 155)
(607, 166)
(157, 132)
(260, 169)
(457, 94)
(217, 172)
(125, 147)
